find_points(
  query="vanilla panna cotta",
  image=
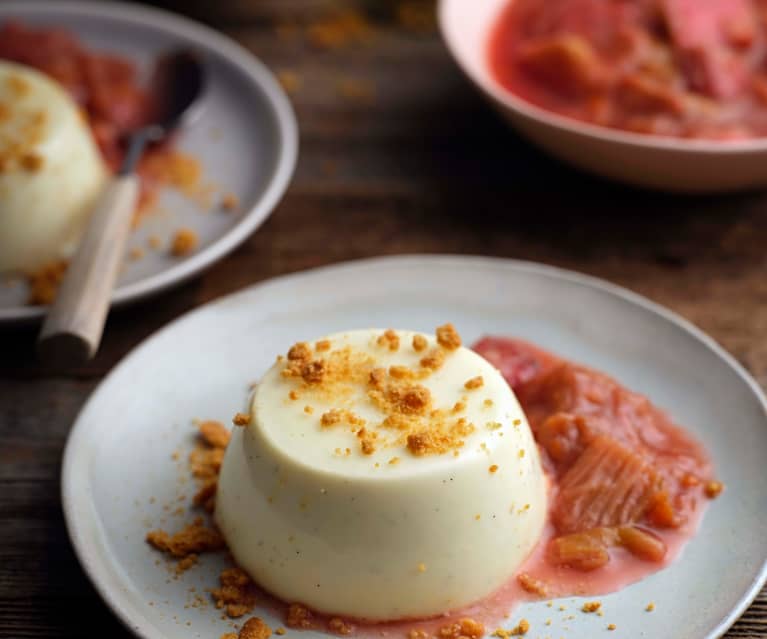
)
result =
(51, 171)
(383, 475)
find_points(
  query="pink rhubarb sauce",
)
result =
(684, 68)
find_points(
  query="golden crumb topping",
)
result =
(336, 416)
(440, 438)
(193, 539)
(214, 433)
(419, 343)
(237, 594)
(390, 339)
(448, 337)
(465, 627)
(339, 626)
(342, 375)
(184, 242)
(230, 202)
(493, 468)
(298, 616)
(433, 360)
(241, 419)
(322, 346)
(255, 628)
(713, 489)
(591, 606)
(532, 585)
(474, 383)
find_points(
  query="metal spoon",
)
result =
(75, 322)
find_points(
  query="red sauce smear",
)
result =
(628, 488)
(684, 68)
(107, 89)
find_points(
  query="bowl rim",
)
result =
(648, 141)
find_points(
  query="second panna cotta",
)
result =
(383, 475)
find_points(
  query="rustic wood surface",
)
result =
(420, 166)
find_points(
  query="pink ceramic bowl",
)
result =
(675, 164)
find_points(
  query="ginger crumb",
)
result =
(293, 395)
(591, 606)
(322, 346)
(477, 517)
(516, 422)
(280, 631)
(193, 539)
(309, 410)
(433, 360)
(299, 616)
(532, 585)
(422, 567)
(241, 419)
(184, 242)
(521, 628)
(394, 461)
(335, 416)
(255, 628)
(44, 283)
(464, 628)
(237, 595)
(448, 337)
(493, 468)
(474, 383)
(214, 433)
(713, 489)
(650, 607)
(230, 202)
(611, 626)
(390, 339)
(521, 453)
(459, 407)
(493, 425)
(419, 343)
(417, 633)
(340, 626)
(488, 402)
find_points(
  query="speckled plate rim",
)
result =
(287, 129)
(84, 534)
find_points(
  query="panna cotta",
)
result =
(383, 475)
(51, 171)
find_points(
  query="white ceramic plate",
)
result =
(245, 138)
(646, 160)
(119, 452)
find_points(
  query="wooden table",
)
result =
(410, 161)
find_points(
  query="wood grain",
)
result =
(425, 167)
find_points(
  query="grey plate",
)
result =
(119, 452)
(246, 138)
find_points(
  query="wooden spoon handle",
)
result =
(75, 322)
